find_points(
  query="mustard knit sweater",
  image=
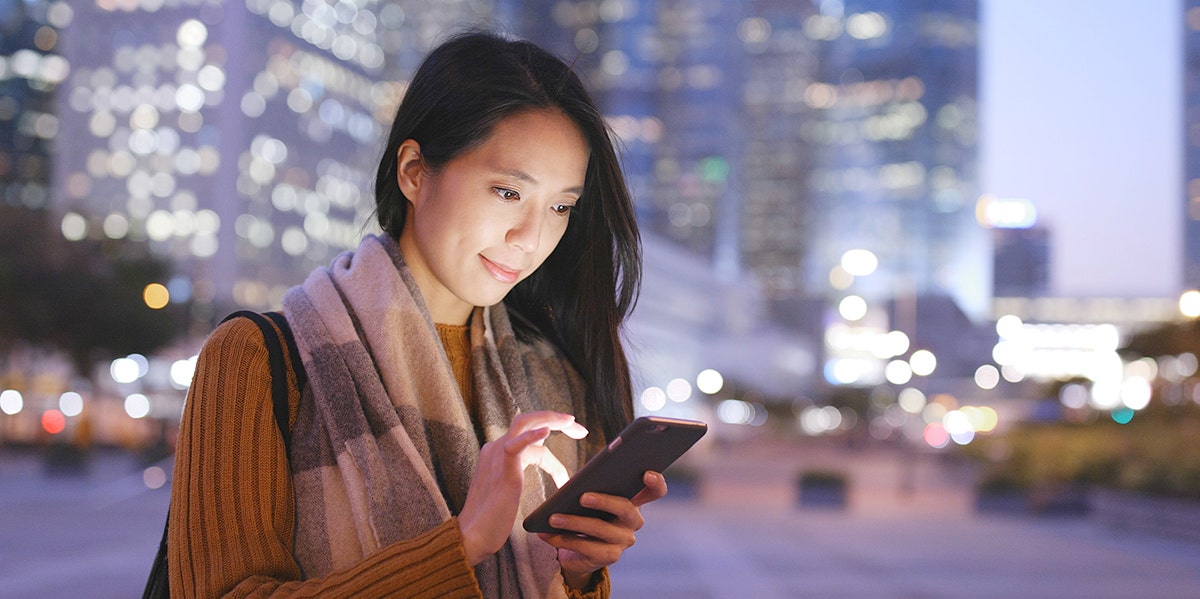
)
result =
(232, 512)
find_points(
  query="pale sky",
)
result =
(1081, 105)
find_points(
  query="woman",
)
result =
(472, 339)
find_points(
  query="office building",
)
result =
(239, 138)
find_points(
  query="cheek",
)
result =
(551, 237)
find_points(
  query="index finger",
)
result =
(555, 421)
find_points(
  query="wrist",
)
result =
(578, 580)
(470, 547)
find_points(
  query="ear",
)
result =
(411, 173)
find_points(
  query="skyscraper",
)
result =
(30, 72)
(895, 154)
(239, 137)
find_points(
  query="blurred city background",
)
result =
(891, 258)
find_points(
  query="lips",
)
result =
(500, 272)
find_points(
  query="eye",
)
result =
(508, 195)
(563, 209)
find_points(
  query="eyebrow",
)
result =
(521, 175)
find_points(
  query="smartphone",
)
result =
(648, 443)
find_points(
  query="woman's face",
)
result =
(488, 218)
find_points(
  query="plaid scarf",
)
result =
(384, 448)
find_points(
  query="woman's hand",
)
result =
(495, 494)
(599, 543)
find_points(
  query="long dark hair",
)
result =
(582, 293)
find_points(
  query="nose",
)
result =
(526, 233)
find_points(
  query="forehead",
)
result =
(541, 143)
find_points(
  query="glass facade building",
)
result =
(240, 138)
(895, 159)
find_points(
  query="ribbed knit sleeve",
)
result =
(232, 511)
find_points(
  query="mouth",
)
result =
(500, 272)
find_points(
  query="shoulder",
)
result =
(236, 335)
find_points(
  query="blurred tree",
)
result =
(84, 298)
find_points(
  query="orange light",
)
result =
(156, 296)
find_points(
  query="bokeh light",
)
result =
(137, 405)
(53, 422)
(156, 296)
(679, 390)
(1189, 303)
(923, 362)
(709, 381)
(154, 477)
(852, 308)
(70, 403)
(653, 399)
(859, 262)
(11, 402)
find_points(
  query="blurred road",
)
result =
(907, 531)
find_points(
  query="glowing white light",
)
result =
(143, 364)
(955, 421)
(852, 308)
(896, 343)
(1106, 395)
(1008, 326)
(987, 376)
(963, 437)
(653, 399)
(911, 400)
(845, 371)
(74, 226)
(734, 411)
(1189, 303)
(815, 421)
(182, 371)
(923, 362)
(859, 263)
(679, 390)
(137, 405)
(1136, 393)
(11, 402)
(897, 372)
(1073, 395)
(124, 370)
(1006, 213)
(709, 381)
(192, 34)
(70, 404)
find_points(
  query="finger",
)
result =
(555, 421)
(609, 533)
(547, 461)
(656, 488)
(627, 515)
(597, 554)
(518, 444)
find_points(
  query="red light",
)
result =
(53, 421)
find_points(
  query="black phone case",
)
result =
(648, 443)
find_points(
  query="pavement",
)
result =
(907, 530)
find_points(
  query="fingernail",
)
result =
(556, 520)
(587, 500)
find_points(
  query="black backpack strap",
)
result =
(157, 585)
(276, 345)
(293, 352)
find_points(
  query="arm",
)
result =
(232, 509)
